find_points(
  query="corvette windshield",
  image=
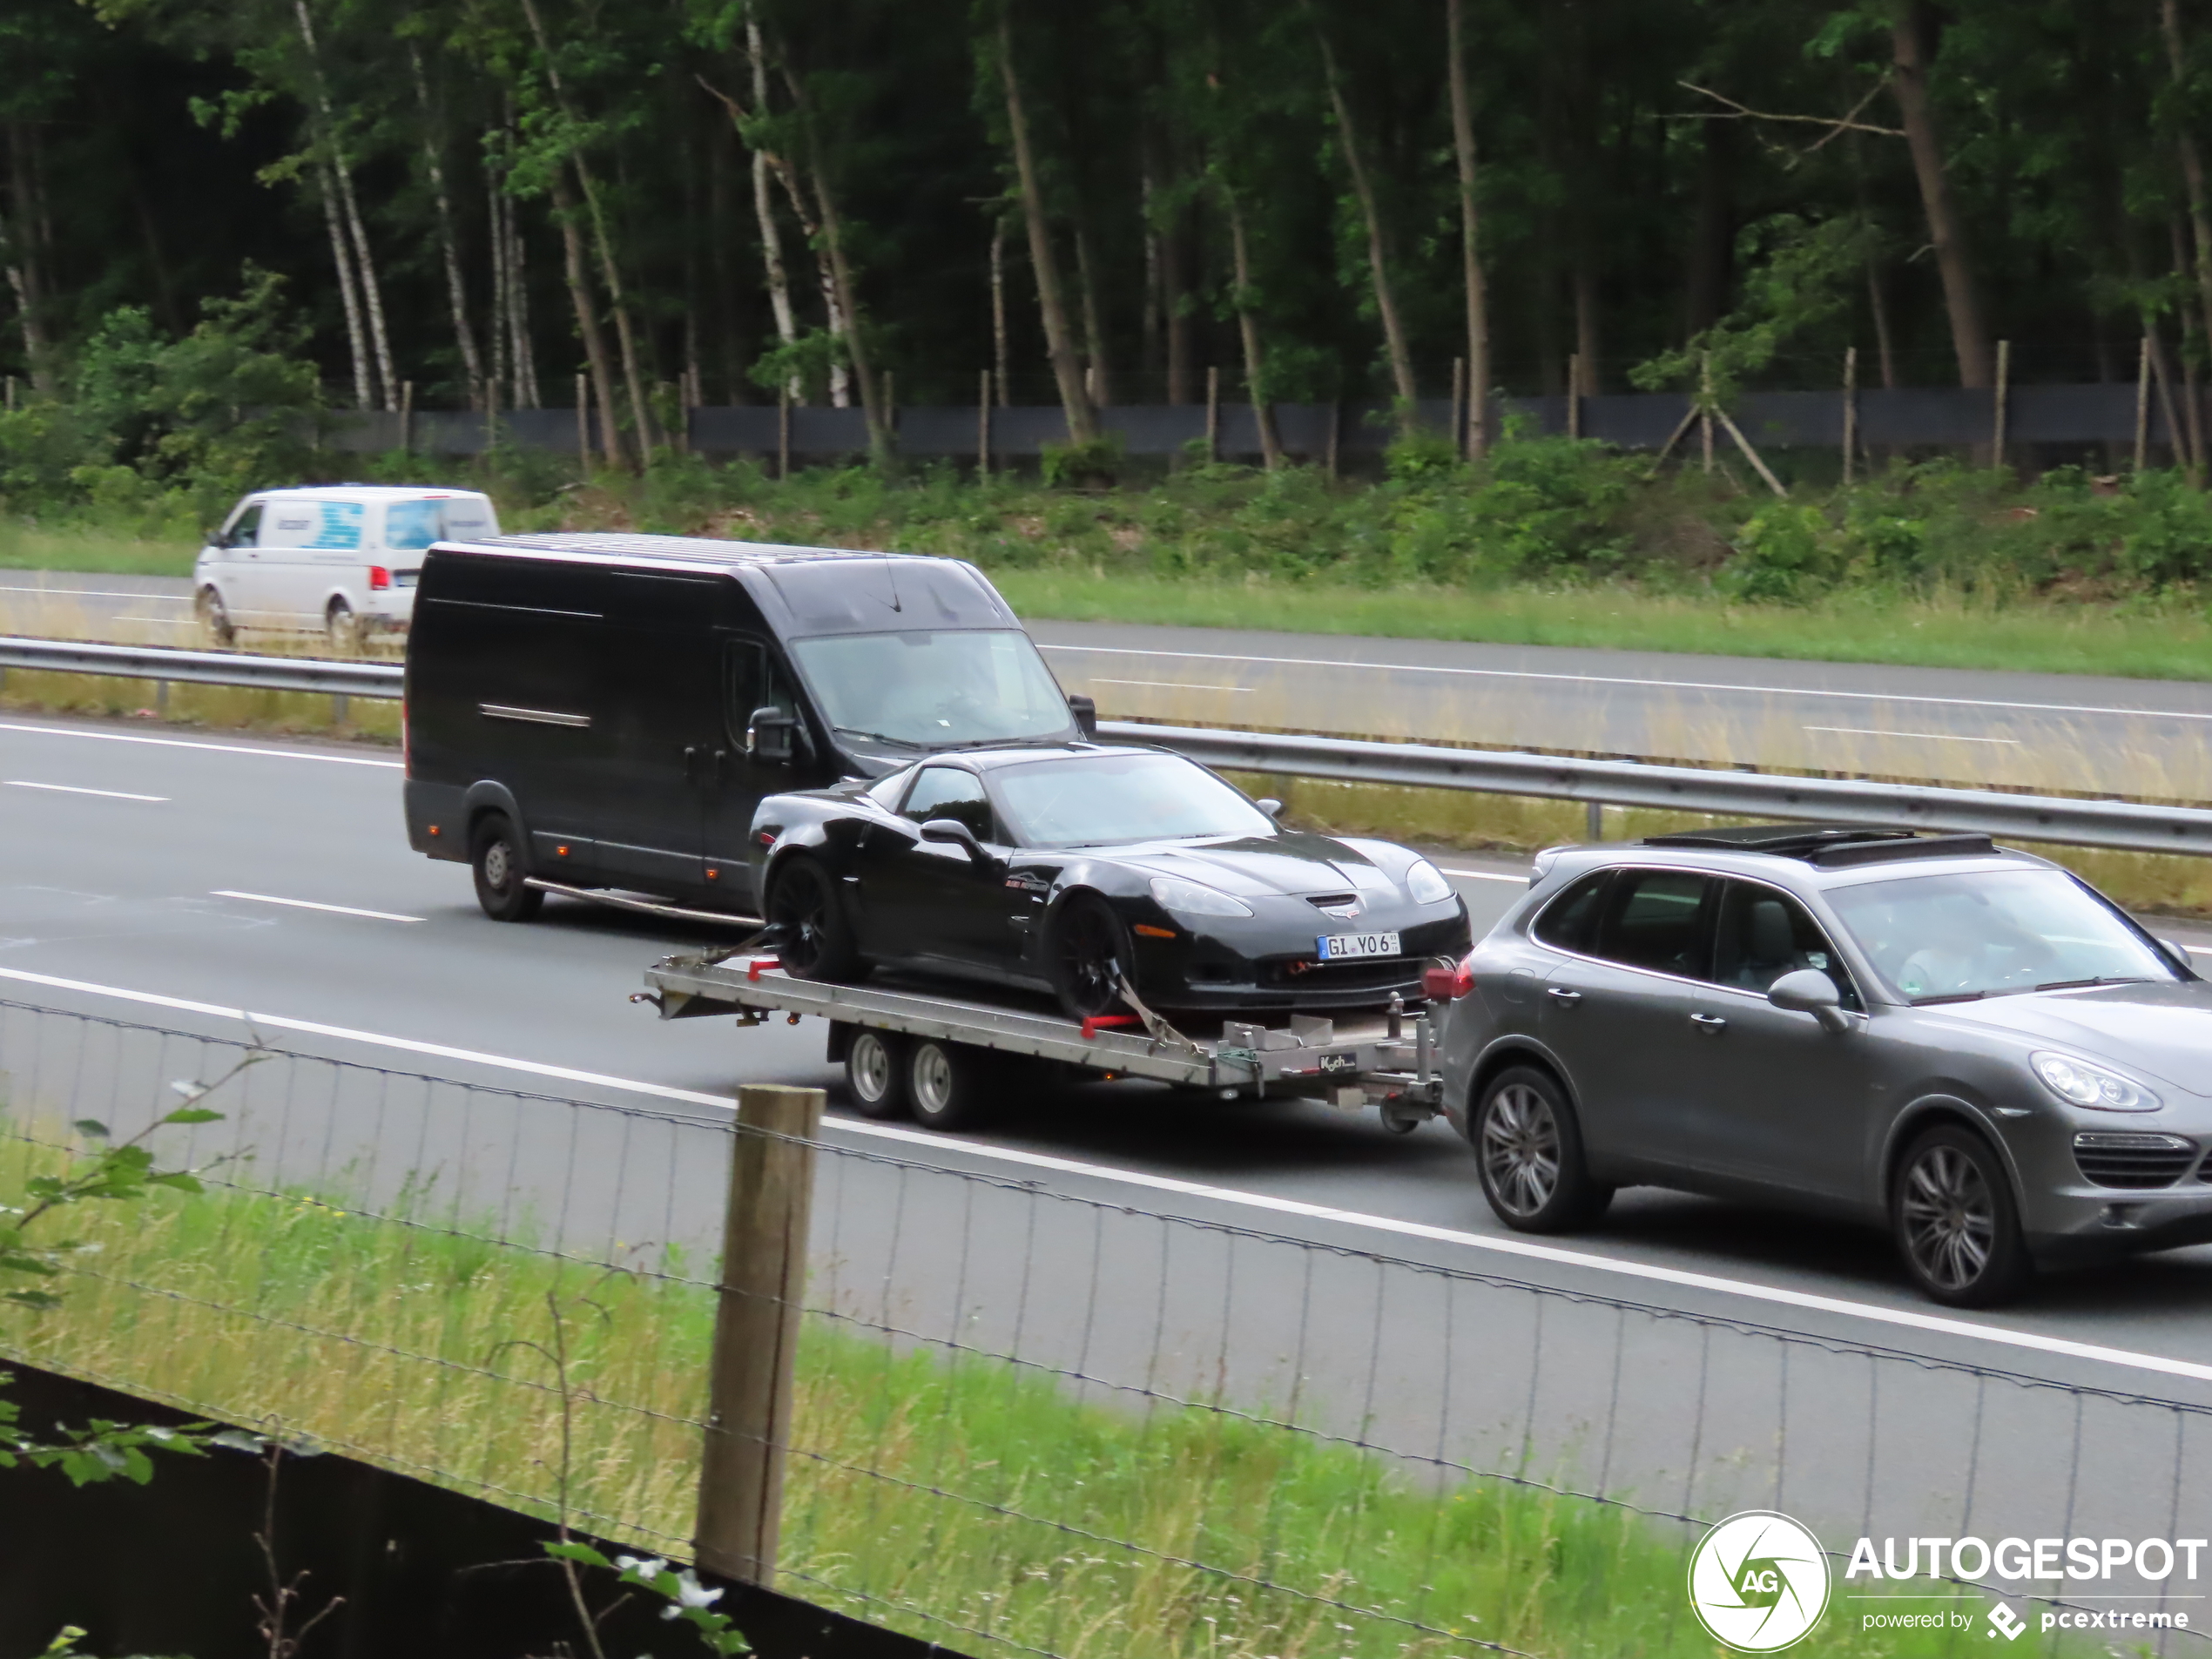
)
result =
(934, 689)
(1945, 938)
(1108, 800)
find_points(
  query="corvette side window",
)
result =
(1658, 920)
(1763, 934)
(954, 793)
(1569, 920)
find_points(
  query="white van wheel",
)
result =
(343, 628)
(215, 620)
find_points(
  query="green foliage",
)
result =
(688, 1601)
(1093, 464)
(1784, 554)
(1798, 277)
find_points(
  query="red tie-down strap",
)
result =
(754, 968)
(1091, 1025)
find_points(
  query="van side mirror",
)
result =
(1269, 805)
(769, 733)
(952, 830)
(1086, 712)
(1809, 991)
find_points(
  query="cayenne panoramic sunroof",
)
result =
(1827, 844)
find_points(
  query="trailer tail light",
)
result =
(1448, 981)
(380, 579)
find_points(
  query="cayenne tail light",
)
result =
(380, 579)
(1448, 981)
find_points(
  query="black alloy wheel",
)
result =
(949, 1084)
(496, 859)
(1089, 957)
(1957, 1226)
(875, 1073)
(816, 939)
(1528, 1149)
(215, 620)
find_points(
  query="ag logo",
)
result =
(1758, 1582)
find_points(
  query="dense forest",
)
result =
(481, 202)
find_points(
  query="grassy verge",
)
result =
(910, 1476)
(29, 546)
(221, 707)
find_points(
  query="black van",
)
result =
(606, 710)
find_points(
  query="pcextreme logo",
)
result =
(1758, 1582)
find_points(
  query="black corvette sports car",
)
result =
(1083, 868)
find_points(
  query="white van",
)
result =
(338, 559)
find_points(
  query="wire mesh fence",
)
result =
(1029, 1420)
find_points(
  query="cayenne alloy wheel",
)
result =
(1528, 1150)
(1956, 1224)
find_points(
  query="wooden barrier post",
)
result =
(783, 432)
(1458, 406)
(756, 1331)
(1213, 414)
(582, 424)
(983, 427)
(1851, 408)
(2003, 399)
(2142, 404)
(407, 417)
(1336, 433)
(1705, 408)
(1575, 396)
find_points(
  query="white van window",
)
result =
(410, 526)
(246, 528)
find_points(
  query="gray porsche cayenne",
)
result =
(1965, 1044)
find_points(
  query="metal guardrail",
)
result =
(2123, 825)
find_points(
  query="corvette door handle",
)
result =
(1560, 993)
(1713, 1022)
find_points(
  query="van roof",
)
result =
(367, 492)
(626, 547)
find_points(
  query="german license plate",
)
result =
(1339, 948)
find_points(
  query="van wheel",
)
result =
(816, 939)
(215, 620)
(875, 1074)
(947, 1084)
(496, 857)
(1528, 1150)
(1957, 1225)
(343, 628)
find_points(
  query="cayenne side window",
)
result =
(1569, 921)
(954, 793)
(1658, 919)
(1763, 934)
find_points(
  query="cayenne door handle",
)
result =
(1560, 993)
(1713, 1022)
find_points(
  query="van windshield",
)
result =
(934, 689)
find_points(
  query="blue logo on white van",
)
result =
(341, 530)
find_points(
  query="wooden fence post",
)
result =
(2142, 404)
(1213, 414)
(1336, 433)
(1851, 408)
(1575, 396)
(983, 427)
(756, 1331)
(1458, 406)
(1705, 410)
(783, 432)
(407, 417)
(2003, 399)
(582, 422)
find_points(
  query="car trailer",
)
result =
(914, 1048)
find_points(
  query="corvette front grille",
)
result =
(2133, 1159)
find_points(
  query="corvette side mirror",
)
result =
(768, 733)
(1810, 991)
(952, 830)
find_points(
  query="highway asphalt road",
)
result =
(175, 878)
(2150, 739)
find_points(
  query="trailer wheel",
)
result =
(947, 1084)
(875, 1074)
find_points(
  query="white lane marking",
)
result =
(100, 593)
(309, 904)
(1488, 875)
(1923, 737)
(1672, 685)
(1179, 685)
(2198, 950)
(181, 743)
(1679, 1278)
(74, 789)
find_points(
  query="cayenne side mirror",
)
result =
(1086, 712)
(1810, 991)
(2179, 952)
(768, 733)
(952, 830)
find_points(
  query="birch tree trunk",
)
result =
(501, 339)
(1271, 446)
(764, 204)
(19, 254)
(341, 256)
(1075, 400)
(1477, 439)
(1100, 383)
(372, 294)
(1401, 358)
(1946, 231)
(587, 318)
(527, 395)
(449, 239)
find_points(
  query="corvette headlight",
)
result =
(2092, 1086)
(1195, 899)
(1426, 884)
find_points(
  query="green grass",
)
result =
(28, 547)
(400, 1343)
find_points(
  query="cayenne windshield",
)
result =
(1106, 800)
(934, 689)
(1946, 938)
